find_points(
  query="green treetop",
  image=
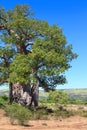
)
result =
(32, 51)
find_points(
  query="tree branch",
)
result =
(1, 26)
(29, 43)
(4, 81)
(4, 19)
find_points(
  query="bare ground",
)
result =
(71, 123)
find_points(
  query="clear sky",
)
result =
(71, 16)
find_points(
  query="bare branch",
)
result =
(2, 82)
(30, 51)
(29, 43)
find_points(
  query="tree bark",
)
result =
(20, 93)
(10, 94)
(23, 94)
(34, 95)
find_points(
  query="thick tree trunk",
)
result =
(20, 93)
(10, 93)
(35, 95)
(23, 94)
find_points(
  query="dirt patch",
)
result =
(71, 123)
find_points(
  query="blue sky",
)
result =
(71, 16)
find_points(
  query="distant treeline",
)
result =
(76, 94)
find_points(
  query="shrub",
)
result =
(63, 113)
(40, 113)
(18, 113)
(58, 97)
(3, 101)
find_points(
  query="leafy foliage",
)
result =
(58, 97)
(3, 101)
(33, 50)
(19, 113)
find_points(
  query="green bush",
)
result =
(58, 97)
(3, 101)
(39, 113)
(63, 113)
(84, 114)
(18, 113)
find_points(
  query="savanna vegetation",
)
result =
(52, 105)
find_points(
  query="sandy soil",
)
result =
(71, 123)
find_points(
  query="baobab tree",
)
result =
(33, 54)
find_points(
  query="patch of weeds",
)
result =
(44, 124)
(85, 114)
(63, 113)
(3, 101)
(82, 113)
(39, 113)
(18, 114)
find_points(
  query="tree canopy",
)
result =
(31, 50)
